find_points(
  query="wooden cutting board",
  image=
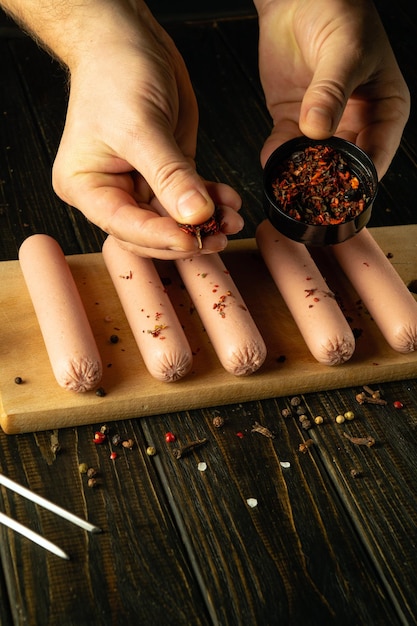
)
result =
(40, 404)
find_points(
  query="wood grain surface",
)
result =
(180, 546)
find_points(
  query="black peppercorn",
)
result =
(100, 392)
(18, 380)
(114, 339)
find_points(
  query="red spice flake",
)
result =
(366, 263)
(199, 231)
(308, 277)
(310, 292)
(155, 332)
(221, 304)
(158, 315)
(316, 299)
(316, 186)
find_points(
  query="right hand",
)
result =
(126, 158)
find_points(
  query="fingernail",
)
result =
(320, 119)
(191, 203)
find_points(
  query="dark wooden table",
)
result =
(182, 546)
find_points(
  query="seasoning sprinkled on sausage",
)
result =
(150, 313)
(305, 292)
(225, 317)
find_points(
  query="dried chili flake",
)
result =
(316, 186)
(221, 304)
(156, 331)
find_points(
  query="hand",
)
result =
(126, 157)
(327, 68)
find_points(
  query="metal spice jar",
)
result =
(319, 192)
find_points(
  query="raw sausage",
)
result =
(381, 290)
(228, 323)
(306, 294)
(69, 341)
(149, 311)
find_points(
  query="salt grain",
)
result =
(252, 502)
(285, 464)
(202, 467)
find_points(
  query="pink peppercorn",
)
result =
(398, 404)
(170, 437)
(99, 437)
(113, 455)
(240, 435)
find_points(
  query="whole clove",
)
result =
(362, 398)
(361, 441)
(258, 428)
(179, 453)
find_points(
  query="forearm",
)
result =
(71, 29)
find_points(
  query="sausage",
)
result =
(306, 294)
(225, 317)
(381, 289)
(149, 311)
(69, 341)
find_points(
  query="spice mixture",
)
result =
(316, 186)
(210, 227)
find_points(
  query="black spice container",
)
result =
(319, 192)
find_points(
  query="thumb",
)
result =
(173, 179)
(325, 99)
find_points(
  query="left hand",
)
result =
(327, 68)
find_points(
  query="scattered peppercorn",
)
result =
(151, 450)
(82, 468)
(99, 438)
(340, 419)
(240, 435)
(114, 339)
(302, 418)
(318, 419)
(170, 437)
(100, 392)
(104, 429)
(303, 447)
(349, 415)
(116, 439)
(91, 472)
(92, 482)
(128, 443)
(18, 380)
(295, 401)
(286, 413)
(218, 421)
(113, 455)
(398, 404)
